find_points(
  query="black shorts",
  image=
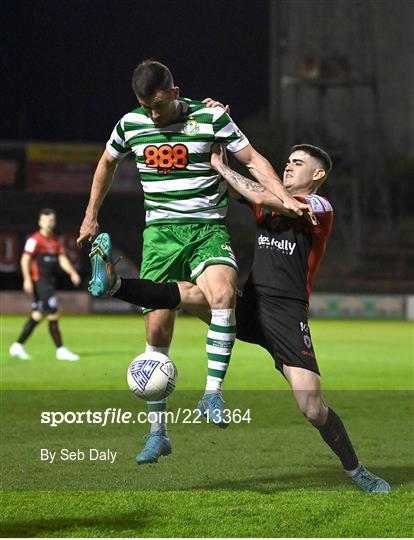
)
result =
(280, 325)
(45, 299)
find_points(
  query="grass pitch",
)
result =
(271, 477)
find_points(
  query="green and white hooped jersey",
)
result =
(173, 162)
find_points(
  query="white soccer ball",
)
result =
(152, 376)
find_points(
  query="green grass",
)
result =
(272, 477)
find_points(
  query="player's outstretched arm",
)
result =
(101, 184)
(250, 189)
(262, 170)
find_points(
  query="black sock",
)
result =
(55, 333)
(146, 293)
(27, 330)
(333, 432)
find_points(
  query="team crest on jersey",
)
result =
(191, 127)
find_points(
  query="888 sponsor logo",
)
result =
(166, 157)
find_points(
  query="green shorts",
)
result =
(182, 252)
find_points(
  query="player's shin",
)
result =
(156, 416)
(55, 333)
(156, 409)
(27, 330)
(333, 432)
(144, 292)
(220, 340)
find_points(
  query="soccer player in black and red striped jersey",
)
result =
(272, 310)
(43, 255)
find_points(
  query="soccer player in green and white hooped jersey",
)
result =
(185, 201)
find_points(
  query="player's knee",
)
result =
(223, 296)
(53, 316)
(37, 316)
(313, 411)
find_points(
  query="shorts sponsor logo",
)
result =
(306, 337)
(307, 341)
(227, 247)
(283, 246)
(304, 327)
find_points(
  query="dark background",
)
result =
(69, 63)
(345, 82)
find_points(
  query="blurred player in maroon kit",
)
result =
(43, 255)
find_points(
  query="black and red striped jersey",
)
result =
(288, 251)
(45, 251)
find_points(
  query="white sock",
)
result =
(154, 348)
(220, 340)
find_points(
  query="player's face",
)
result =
(47, 223)
(299, 173)
(161, 106)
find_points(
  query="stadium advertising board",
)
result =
(357, 306)
(69, 168)
(63, 168)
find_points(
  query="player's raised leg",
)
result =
(140, 292)
(159, 328)
(306, 388)
(218, 284)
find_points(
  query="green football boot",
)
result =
(103, 273)
(370, 483)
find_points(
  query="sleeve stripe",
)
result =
(319, 204)
(120, 131)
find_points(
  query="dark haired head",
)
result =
(316, 153)
(149, 77)
(47, 212)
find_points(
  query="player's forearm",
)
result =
(66, 265)
(101, 184)
(250, 189)
(263, 172)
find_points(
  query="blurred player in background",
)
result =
(272, 309)
(41, 259)
(185, 238)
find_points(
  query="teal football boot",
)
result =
(157, 444)
(370, 483)
(103, 275)
(211, 407)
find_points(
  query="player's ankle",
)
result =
(115, 287)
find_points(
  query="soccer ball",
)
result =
(152, 376)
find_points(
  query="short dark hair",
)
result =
(47, 212)
(151, 76)
(315, 152)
